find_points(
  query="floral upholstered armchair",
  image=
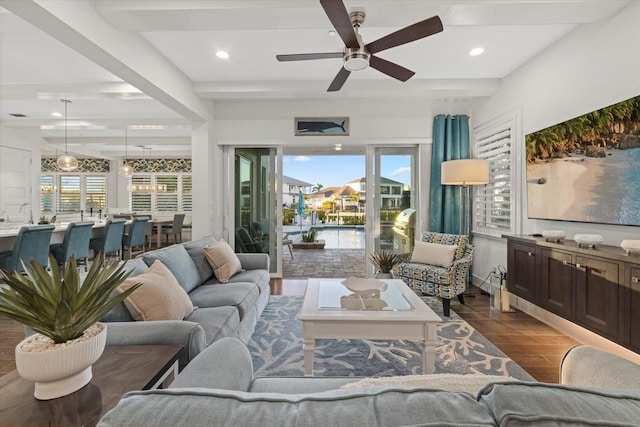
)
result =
(438, 266)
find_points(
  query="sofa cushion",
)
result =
(218, 322)
(135, 266)
(223, 260)
(159, 298)
(258, 277)
(433, 253)
(370, 407)
(468, 383)
(195, 249)
(243, 296)
(523, 404)
(177, 260)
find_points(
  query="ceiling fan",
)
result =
(357, 56)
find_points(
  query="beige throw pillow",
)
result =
(159, 298)
(433, 253)
(223, 260)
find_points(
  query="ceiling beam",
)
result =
(123, 53)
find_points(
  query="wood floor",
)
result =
(533, 345)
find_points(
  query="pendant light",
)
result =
(125, 169)
(66, 162)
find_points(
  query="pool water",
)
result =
(341, 238)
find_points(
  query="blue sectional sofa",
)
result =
(224, 310)
(218, 388)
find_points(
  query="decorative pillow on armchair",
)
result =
(433, 253)
(223, 260)
(159, 298)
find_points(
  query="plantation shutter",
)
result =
(167, 201)
(187, 196)
(493, 202)
(140, 201)
(47, 199)
(69, 194)
(95, 192)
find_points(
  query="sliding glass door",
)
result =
(392, 183)
(256, 210)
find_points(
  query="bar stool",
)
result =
(76, 242)
(32, 242)
(136, 236)
(111, 240)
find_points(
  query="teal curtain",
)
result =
(450, 142)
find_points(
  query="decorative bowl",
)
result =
(553, 235)
(588, 240)
(631, 246)
(364, 286)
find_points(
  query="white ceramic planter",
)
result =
(61, 370)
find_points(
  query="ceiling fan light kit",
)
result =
(357, 56)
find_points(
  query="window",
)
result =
(96, 192)
(493, 202)
(69, 196)
(176, 195)
(62, 193)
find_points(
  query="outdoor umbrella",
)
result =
(301, 209)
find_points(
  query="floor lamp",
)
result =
(465, 172)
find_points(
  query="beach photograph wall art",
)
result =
(587, 169)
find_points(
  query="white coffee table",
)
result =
(405, 317)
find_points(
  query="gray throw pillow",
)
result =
(195, 249)
(177, 260)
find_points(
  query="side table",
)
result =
(119, 370)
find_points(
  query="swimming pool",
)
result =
(341, 237)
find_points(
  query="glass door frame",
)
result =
(275, 181)
(420, 157)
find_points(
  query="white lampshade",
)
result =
(465, 172)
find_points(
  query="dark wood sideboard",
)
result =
(596, 288)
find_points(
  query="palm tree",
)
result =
(317, 187)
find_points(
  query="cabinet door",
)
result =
(521, 270)
(634, 321)
(597, 295)
(555, 285)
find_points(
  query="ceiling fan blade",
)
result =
(339, 80)
(390, 69)
(307, 56)
(339, 17)
(408, 34)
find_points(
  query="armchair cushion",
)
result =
(433, 253)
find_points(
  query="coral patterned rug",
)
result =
(276, 349)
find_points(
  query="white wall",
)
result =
(29, 140)
(592, 67)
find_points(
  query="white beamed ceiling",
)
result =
(151, 65)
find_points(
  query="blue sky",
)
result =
(335, 171)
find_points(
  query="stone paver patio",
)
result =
(323, 263)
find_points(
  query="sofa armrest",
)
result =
(254, 261)
(225, 364)
(191, 335)
(587, 366)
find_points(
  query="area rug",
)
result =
(276, 349)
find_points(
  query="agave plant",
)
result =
(309, 237)
(60, 305)
(384, 260)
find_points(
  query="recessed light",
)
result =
(476, 51)
(332, 32)
(338, 147)
(222, 54)
(56, 114)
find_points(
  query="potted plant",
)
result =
(64, 311)
(384, 262)
(309, 237)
